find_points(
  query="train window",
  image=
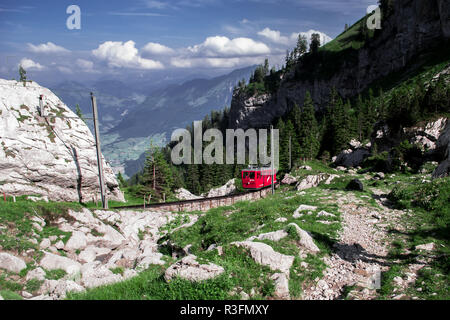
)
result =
(252, 175)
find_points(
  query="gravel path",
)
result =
(360, 254)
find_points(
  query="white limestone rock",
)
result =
(11, 263)
(52, 261)
(306, 241)
(263, 254)
(281, 282)
(54, 157)
(184, 194)
(227, 189)
(37, 274)
(188, 268)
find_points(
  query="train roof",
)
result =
(259, 169)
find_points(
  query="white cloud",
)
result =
(48, 47)
(274, 36)
(29, 64)
(156, 4)
(185, 62)
(224, 47)
(324, 39)
(120, 54)
(157, 49)
(85, 65)
(64, 70)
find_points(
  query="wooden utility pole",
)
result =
(41, 106)
(99, 153)
(272, 155)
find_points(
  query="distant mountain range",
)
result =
(131, 116)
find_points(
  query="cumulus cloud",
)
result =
(274, 36)
(48, 47)
(157, 49)
(224, 47)
(29, 64)
(324, 39)
(85, 65)
(120, 54)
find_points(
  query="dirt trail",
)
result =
(360, 254)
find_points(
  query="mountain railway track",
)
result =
(203, 204)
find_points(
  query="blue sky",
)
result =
(147, 36)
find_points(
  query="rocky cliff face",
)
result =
(415, 27)
(53, 156)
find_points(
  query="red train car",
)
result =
(256, 178)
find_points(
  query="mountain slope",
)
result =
(416, 34)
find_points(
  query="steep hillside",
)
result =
(414, 35)
(53, 156)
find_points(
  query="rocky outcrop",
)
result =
(226, 189)
(427, 136)
(312, 181)
(188, 268)
(184, 194)
(415, 27)
(354, 156)
(11, 263)
(263, 254)
(51, 153)
(443, 149)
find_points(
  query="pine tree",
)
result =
(122, 182)
(157, 176)
(302, 45)
(291, 135)
(309, 130)
(22, 74)
(315, 43)
(79, 113)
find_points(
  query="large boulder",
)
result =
(188, 268)
(11, 263)
(78, 240)
(227, 189)
(263, 254)
(443, 149)
(354, 156)
(52, 261)
(51, 153)
(306, 241)
(184, 194)
(312, 181)
(355, 185)
(289, 179)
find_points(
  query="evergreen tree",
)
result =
(291, 135)
(157, 177)
(79, 113)
(122, 182)
(315, 43)
(302, 45)
(309, 130)
(22, 74)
